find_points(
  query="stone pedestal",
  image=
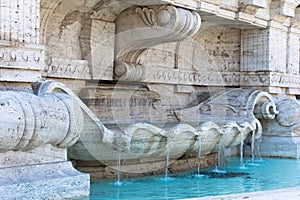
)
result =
(51, 181)
(41, 173)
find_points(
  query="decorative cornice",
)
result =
(20, 56)
(270, 79)
(160, 74)
(157, 74)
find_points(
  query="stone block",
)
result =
(277, 146)
(101, 56)
(67, 68)
(20, 63)
(43, 181)
(260, 52)
(40, 155)
(293, 53)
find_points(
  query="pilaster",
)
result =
(270, 56)
(21, 56)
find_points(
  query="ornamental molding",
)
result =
(66, 68)
(139, 28)
(162, 74)
(27, 56)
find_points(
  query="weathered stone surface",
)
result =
(123, 105)
(99, 170)
(32, 121)
(281, 137)
(51, 181)
(103, 49)
(35, 132)
(222, 121)
(40, 155)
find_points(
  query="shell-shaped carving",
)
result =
(148, 15)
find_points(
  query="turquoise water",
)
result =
(258, 176)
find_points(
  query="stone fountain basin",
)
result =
(147, 142)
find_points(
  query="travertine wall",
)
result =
(21, 56)
(20, 21)
(236, 36)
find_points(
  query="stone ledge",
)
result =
(45, 181)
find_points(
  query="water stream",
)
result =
(167, 159)
(221, 156)
(252, 146)
(198, 155)
(118, 182)
(242, 152)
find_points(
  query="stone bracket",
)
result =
(139, 28)
(251, 6)
(288, 7)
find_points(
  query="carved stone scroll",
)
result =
(138, 28)
(281, 136)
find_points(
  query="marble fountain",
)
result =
(86, 84)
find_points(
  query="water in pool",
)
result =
(261, 175)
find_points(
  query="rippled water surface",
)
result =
(255, 176)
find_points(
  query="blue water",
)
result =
(258, 176)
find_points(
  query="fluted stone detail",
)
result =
(138, 28)
(35, 120)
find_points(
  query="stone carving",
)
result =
(270, 79)
(23, 63)
(27, 56)
(236, 115)
(155, 74)
(281, 135)
(130, 72)
(66, 68)
(151, 26)
(124, 104)
(35, 120)
(220, 121)
(97, 40)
